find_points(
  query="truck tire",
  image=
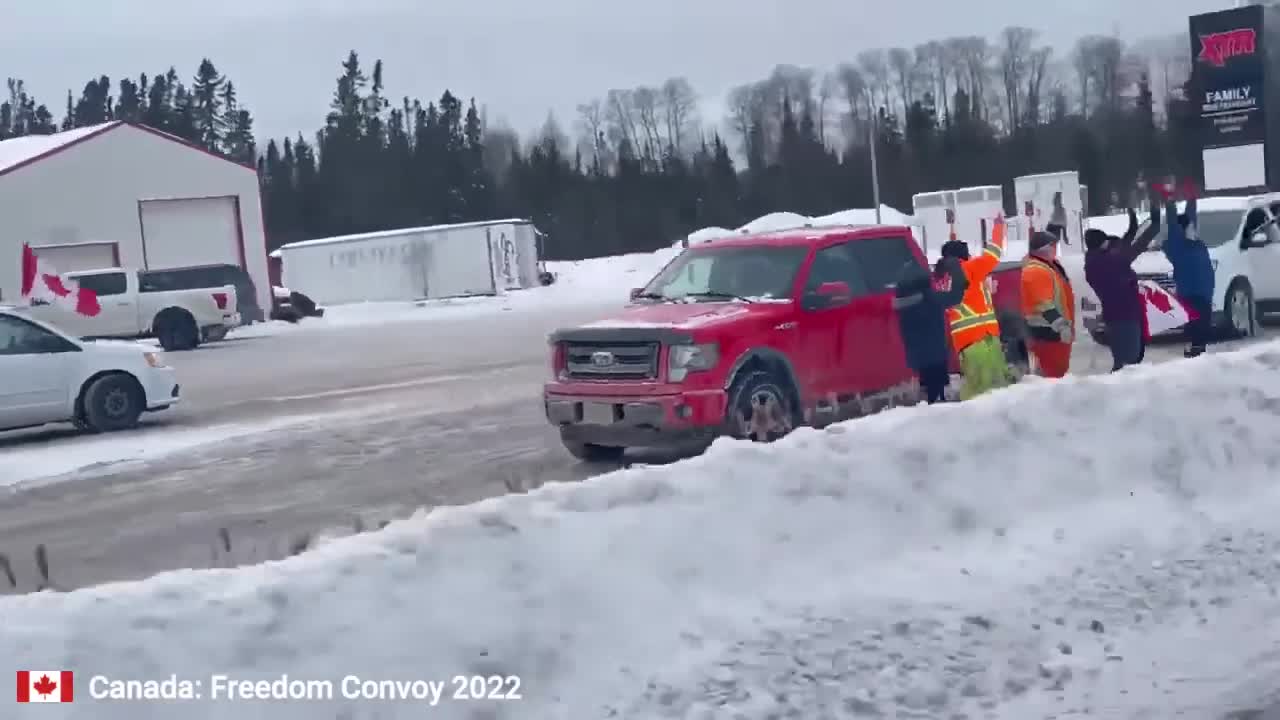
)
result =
(1240, 316)
(112, 402)
(176, 330)
(759, 407)
(589, 452)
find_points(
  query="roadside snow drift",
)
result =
(1102, 544)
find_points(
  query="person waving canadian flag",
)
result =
(41, 283)
(1165, 310)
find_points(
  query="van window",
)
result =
(104, 284)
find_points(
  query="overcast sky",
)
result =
(520, 58)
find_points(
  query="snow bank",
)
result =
(707, 234)
(774, 222)
(1069, 544)
(864, 216)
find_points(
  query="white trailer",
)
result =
(976, 209)
(1036, 196)
(935, 216)
(440, 261)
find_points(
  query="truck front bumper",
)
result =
(650, 420)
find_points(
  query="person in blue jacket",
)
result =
(1192, 267)
(922, 321)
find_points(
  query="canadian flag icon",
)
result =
(45, 686)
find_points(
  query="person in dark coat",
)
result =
(1108, 268)
(922, 322)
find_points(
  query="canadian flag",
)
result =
(45, 686)
(1165, 311)
(42, 284)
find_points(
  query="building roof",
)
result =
(22, 151)
(19, 151)
(401, 231)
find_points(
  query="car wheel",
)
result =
(112, 402)
(590, 452)
(1240, 317)
(759, 408)
(177, 331)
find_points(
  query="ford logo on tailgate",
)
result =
(602, 358)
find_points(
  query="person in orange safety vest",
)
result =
(1048, 306)
(975, 331)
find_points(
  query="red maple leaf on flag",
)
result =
(1159, 300)
(44, 685)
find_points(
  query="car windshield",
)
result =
(710, 273)
(1216, 227)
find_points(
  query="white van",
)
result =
(1244, 244)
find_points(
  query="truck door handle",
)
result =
(122, 304)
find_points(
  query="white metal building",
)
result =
(478, 258)
(124, 195)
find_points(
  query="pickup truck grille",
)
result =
(1161, 279)
(612, 361)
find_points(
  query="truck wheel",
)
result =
(1240, 319)
(176, 330)
(589, 452)
(112, 402)
(759, 408)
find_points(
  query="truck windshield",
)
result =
(717, 274)
(1217, 227)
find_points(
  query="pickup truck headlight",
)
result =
(684, 359)
(155, 360)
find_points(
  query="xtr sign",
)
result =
(1217, 48)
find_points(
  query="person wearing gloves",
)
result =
(1108, 268)
(975, 331)
(1048, 305)
(922, 322)
(1192, 267)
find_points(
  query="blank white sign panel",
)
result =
(1242, 166)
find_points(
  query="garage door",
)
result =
(190, 231)
(78, 256)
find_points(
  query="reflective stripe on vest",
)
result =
(1058, 302)
(965, 317)
(993, 250)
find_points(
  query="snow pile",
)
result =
(774, 222)
(707, 234)
(1094, 545)
(1112, 224)
(864, 216)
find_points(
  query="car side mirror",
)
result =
(635, 293)
(1259, 239)
(828, 295)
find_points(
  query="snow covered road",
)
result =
(1023, 555)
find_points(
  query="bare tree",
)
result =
(874, 65)
(745, 112)
(954, 52)
(976, 56)
(680, 106)
(902, 63)
(620, 117)
(1083, 62)
(591, 125)
(1037, 68)
(854, 91)
(828, 89)
(1015, 64)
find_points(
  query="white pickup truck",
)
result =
(47, 376)
(132, 307)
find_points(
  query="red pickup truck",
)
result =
(748, 337)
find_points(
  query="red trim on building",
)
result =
(235, 207)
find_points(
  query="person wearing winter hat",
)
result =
(1048, 305)
(1193, 272)
(975, 331)
(1108, 268)
(922, 322)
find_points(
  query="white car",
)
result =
(47, 376)
(1244, 246)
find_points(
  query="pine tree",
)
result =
(205, 101)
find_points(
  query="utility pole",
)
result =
(875, 171)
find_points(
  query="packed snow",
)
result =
(1101, 545)
(25, 465)
(19, 150)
